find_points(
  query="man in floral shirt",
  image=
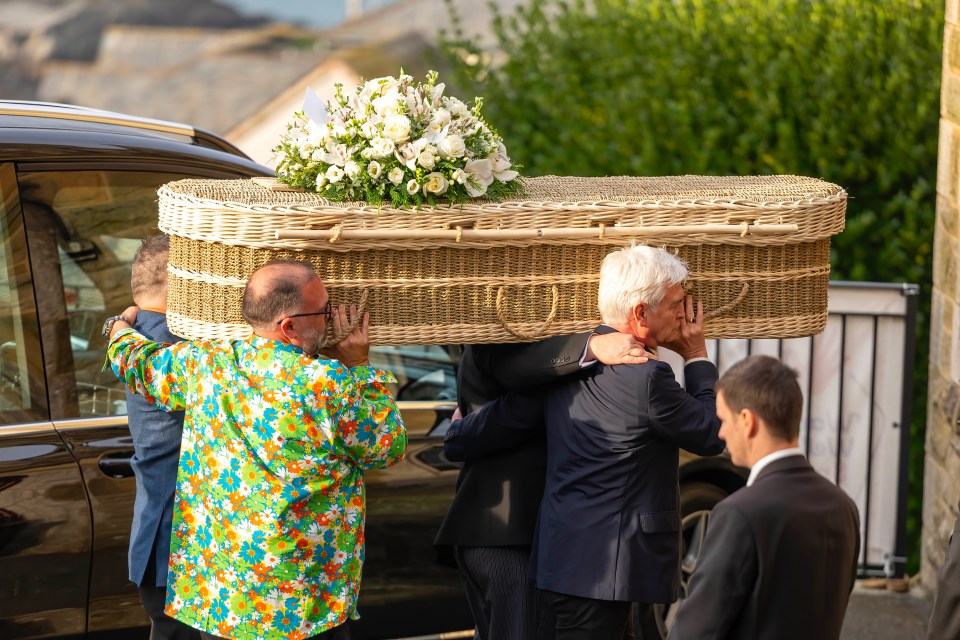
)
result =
(268, 526)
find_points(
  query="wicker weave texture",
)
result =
(757, 247)
(506, 294)
(241, 212)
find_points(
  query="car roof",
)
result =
(38, 131)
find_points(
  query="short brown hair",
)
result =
(770, 389)
(148, 273)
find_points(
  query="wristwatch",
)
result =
(108, 325)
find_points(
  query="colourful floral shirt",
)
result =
(268, 522)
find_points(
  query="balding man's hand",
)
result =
(354, 349)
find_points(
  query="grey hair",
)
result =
(635, 275)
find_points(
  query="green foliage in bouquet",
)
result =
(843, 90)
(399, 142)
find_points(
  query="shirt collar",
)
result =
(771, 457)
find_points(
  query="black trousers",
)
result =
(340, 632)
(162, 626)
(504, 603)
(589, 619)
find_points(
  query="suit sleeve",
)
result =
(688, 418)
(532, 364)
(723, 581)
(500, 424)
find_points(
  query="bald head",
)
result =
(275, 290)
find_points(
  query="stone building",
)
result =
(941, 489)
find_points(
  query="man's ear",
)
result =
(640, 314)
(287, 329)
(750, 422)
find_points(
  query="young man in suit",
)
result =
(608, 528)
(945, 617)
(780, 557)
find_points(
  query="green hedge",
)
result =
(844, 90)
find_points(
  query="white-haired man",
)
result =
(608, 529)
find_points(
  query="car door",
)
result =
(45, 527)
(84, 222)
(405, 591)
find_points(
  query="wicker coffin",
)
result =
(758, 250)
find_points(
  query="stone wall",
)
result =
(941, 489)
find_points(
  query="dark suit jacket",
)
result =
(779, 561)
(945, 619)
(498, 497)
(609, 525)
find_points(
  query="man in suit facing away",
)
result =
(780, 557)
(608, 532)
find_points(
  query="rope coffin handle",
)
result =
(730, 305)
(538, 333)
(361, 309)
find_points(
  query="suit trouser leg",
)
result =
(644, 620)
(588, 619)
(505, 604)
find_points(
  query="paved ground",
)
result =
(884, 615)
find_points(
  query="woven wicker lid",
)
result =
(548, 190)
(671, 210)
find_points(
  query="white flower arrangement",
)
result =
(399, 142)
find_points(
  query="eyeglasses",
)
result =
(327, 311)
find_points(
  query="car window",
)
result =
(423, 372)
(22, 390)
(84, 228)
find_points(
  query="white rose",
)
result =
(374, 169)
(367, 153)
(390, 104)
(397, 128)
(427, 160)
(480, 176)
(457, 108)
(382, 147)
(436, 184)
(396, 175)
(334, 174)
(412, 187)
(352, 168)
(452, 147)
(382, 85)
